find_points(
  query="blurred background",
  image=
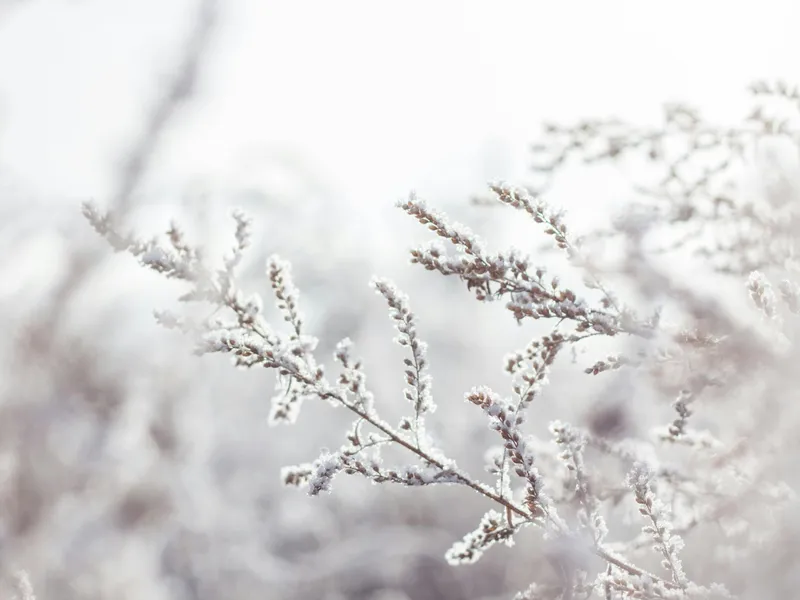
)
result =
(131, 469)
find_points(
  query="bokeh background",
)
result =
(131, 469)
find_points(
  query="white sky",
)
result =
(375, 98)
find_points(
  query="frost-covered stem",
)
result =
(279, 272)
(418, 393)
(416, 378)
(505, 419)
(428, 458)
(669, 556)
(467, 481)
(574, 443)
(660, 529)
(607, 584)
(530, 295)
(521, 199)
(506, 423)
(541, 354)
(521, 402)
(611, 558)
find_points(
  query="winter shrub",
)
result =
(619, 508)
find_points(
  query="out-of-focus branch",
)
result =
(177, 94)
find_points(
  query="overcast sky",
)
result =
(373, 98)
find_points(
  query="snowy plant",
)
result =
(617, 510)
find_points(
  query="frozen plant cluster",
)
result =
(617, 508)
